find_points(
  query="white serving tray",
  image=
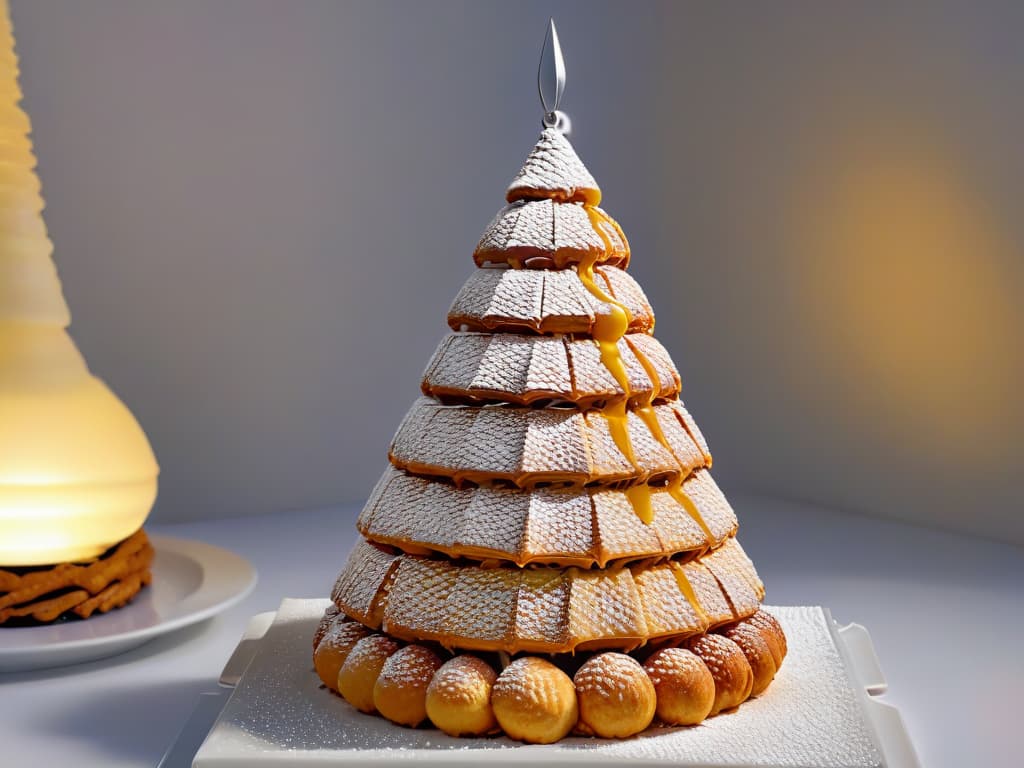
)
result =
(821, 711)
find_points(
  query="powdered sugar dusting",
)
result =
(716, 651)
(810, 716)
(359, 589)
(465, 678)
(614, 677)
(528, 446)
(671, 664)
(343, 635)
(522, 369)
(560, 234)
(410, 667)
(550, 609)
(370, 650)
(534, 682)
(553, 169)
(605, 605)
(329, 616)
(545, 525)
(551, 301)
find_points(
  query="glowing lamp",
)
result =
(77, 474)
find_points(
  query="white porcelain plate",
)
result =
(192, 581)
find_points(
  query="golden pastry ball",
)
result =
(333, 648)
(359, 673)
(728, 666)
(755, 647)
(400, 692)
(459, 697)
(684, 685)
(616, 697)
(534, 701)
(772, 632)
(325, 623)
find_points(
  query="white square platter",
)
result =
(822, 711)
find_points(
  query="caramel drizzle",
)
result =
(608, 330)
(687, 589)
(650, 418)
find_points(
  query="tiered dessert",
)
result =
(77, 475)
(549, 509)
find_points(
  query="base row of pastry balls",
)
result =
(532, 699)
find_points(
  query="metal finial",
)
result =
(551, 80)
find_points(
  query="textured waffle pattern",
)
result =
(545, 301)
(564, 526)
(545, 234)
(546, 609)
(521, 369)
(525, 446)
(554, 170)
(364, 582)
(542, 497)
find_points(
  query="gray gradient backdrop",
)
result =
(262, 210)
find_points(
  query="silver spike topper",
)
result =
(551, 81)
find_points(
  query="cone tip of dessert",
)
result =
(554, 171)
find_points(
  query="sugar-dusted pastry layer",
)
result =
(548, 610)
(553, 170)
(526, 447)
(525, 369)
(563, 526)
(545, 234)
(544, 301)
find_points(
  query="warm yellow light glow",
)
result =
(77, 474)
(905, 271)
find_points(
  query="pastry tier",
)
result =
(513, 368)
(553, 170)
(544, 234)
(545, 610)
(544, 301)
(554, 526)
(526, 447)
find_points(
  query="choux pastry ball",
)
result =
(752, 642)
(400, 693)
(772, 632)
(534, 701)
(684, 685)
(459, 697)
(325, 624)
(728, 666)
(358, 675)
(332, 650)
(616, 698)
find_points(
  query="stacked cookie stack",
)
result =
(30, 595)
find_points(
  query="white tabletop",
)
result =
(946, 613)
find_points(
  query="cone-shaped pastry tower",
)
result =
(549, 492)
(549, 499)
(77, 474)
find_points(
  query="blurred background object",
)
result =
(823, 202)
